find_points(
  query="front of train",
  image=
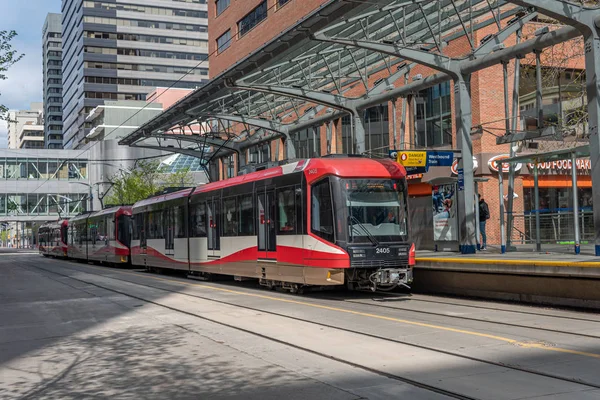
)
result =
(371, 223)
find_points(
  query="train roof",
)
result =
(112, 210)
(55, 224)
(163, 197)
(347, 167)
(80, 217)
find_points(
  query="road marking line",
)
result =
(376, 316)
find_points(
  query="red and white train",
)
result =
(325, 221)
(317, 222)
(52, 238)
(101, 236)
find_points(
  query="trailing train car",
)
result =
(53, 238)
(327, 221)
(78, 237)
(102, 236)
(160, 234)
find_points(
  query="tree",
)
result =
(8, 57)
(143, 181)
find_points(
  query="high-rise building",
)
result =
(52, 67)
(239, 27)
(122, 50)
(19, 118)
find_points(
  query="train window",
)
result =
(155, 225)
(93, 232)
(286, 221)
(110, 228)
(198, 220)
(230, 217)
(180, 222)
(138, 226)
(246, 215)
(322, 210)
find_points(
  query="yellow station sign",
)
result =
(412, 158)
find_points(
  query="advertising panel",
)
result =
(445, 220)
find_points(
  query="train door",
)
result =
(214, 241)
(267, 244)
(144, 233)
(169, 221)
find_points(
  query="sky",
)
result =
(24, 79)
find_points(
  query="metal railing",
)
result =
(555, 227)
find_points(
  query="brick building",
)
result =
(239, 27)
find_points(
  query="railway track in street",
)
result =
(374, 303)
(124, 277)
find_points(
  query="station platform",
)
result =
(548, 277)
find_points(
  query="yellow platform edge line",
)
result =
(495, 261)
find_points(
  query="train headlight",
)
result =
(358, 253)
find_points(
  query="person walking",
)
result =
(484, 215)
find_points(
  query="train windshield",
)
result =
(376, 210)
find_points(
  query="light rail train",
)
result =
(316, 222)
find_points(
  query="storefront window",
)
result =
(307, 143)
(377, 131)
(433, 119)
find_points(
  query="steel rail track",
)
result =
(374, 336)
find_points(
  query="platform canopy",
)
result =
(556, 155)
(304, 77)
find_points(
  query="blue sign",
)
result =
(440, 158)
(461, 179)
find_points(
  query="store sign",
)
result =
(494, 161)
(454, 167)
(562, 165)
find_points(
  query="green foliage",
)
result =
(143, 181)
(8, 56)
(4, 236)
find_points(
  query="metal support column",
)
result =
(536, 191)
(592, 73)
(538, 89)
(403, 118)
(501, 193)
(290, 148)
(575, 202)
(511, 169)
(477, 231)
(328, 133)
(394, 123)
(359, 133)
(466, 195)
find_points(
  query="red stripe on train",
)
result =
(284, 254)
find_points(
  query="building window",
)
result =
(224, 41)
(253, 18)
(433, 119)
(281, 3)
(221, 6)
(259, 154)
(376, 124)
(307, 143)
